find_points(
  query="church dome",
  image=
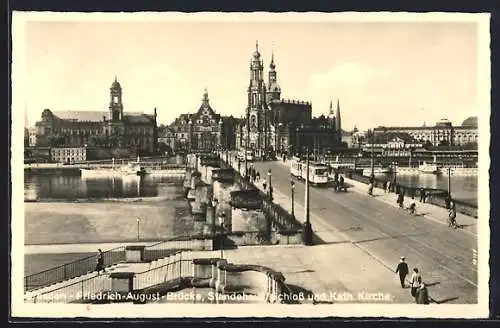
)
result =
(116, 84)
(443, 122)
(470, 122)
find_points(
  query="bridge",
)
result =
(357, 245)
(377, 227)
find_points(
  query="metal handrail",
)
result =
(70, 270)
(87, 267)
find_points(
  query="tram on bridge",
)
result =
(318, 173)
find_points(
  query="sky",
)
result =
(382, 73)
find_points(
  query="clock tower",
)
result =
(115, 105)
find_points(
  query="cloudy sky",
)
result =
(384, 73)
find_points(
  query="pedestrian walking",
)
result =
(370, 189)
(452, 215)
(389, 186)
(415, 281)
(422, 195)
(423, 295)
(385, 186)
(400, 200)
(403, 271)
(257, 175)
(447, 201)
(100, 262)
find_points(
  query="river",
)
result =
(75, 210)
(462, 187)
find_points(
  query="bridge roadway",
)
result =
(443, 256)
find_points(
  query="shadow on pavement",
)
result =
(388, 237)
(300, 271)
(445, 300)
(429, 284)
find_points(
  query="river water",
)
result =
(462, 187)
(75, 210)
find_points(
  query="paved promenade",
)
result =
(376, 227)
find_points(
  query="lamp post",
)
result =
(307, 233)
(221, 222)
(449, 182)
(138, 223)
(214, 212)
(293, 205)
(371, 160)
(269, 175)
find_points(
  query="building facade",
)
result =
(203, 131)
(112, 129)
(274, 125)
(68, 155)
(443, 133)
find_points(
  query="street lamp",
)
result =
(269, 175)
(221, 222)
(138, 223)
(293, 205)
(214, 212)
(307, 233)
(371, 160)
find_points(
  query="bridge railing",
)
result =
(164, 270)
(433, 196)
(283, 220)
(72, 269)
(84, 289)
(116, 255)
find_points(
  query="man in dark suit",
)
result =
(403, 271)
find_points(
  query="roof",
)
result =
(142, 118)
(87, 115)
(470, 122)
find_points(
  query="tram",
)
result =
(318, 173)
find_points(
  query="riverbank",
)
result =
(59, 223)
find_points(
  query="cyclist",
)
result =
(411, 208)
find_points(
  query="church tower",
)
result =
(338, 125)
(274, 90)
(256, 114)
(115, 104)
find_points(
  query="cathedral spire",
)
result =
(338, 123)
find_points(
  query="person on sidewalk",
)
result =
(342, 186)
(385, 186)
(415, 281)
(389, 186)
(423, 295)
(452, 216)
(370, 189)
(403, 271)
(400, 200)
(100, 262)
(422, 195)
(257, 175)
(412, 206)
